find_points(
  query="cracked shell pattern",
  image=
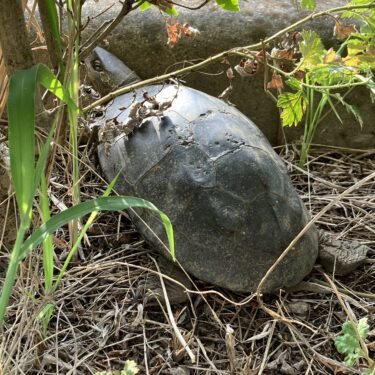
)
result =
(229, 197)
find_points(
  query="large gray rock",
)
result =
(141, 41)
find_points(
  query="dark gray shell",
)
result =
(228, 195)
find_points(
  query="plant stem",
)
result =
(74, 24)
(11, 275)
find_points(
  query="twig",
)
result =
(177, 332)
(127, 7)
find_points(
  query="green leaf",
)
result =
(22, 92)
(294, 106)
(356, 46)
(21, 114)
(99, 204)
(231, 5)
(312, 49)
(54, 26)
(308, 4)
(350, 108)
(130, 368)
(294, 83)
(171, 11)
(74, 248)
(348, 343)
(144, 6)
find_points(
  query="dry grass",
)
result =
(101, 319)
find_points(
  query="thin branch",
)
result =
(192, 8)
(109, 26)
(237, 51)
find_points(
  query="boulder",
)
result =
(141, 41)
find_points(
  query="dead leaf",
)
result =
(260, 55)
(276, 82)
(291, 40)
(247, 67)
(342, 31)
(226, 93)
(176, 31)
(230, 73)
(331, 57)
(188, 30)
(300, 75)
(282, 54)
(173, 34)
(231, 351)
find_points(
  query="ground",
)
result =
(101, 318)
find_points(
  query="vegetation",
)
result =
(349, 343)
(316, 79)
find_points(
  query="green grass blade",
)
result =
(21, 115)
(80, 237)
(99, 204)
(53, 21)
(48, 242)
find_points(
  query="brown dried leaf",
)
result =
(247, 67)
(291, 40)
(260, 55)
(188, 30)
(226, 93)
(342, 31)
(282, 54)
(230, 73)
(176, 31)
(173, 34)
(276, 82)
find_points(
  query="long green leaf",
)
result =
(48, 242)
(99, 204)
(80, 237)
(53, 20)
(21, 115)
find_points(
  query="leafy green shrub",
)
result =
(348, 343)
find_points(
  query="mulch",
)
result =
(101, 318)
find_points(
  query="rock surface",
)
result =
(141, 41)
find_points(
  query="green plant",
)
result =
(322, 75)
(349, 344)
(27, 175)
(130, 368)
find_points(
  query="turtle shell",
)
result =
(228, 194)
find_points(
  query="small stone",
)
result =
(299, 308)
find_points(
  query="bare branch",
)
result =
(107, 28)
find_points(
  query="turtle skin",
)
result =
(228, 194)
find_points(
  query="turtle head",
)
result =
(106, 72)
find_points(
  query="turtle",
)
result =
(228, 194)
